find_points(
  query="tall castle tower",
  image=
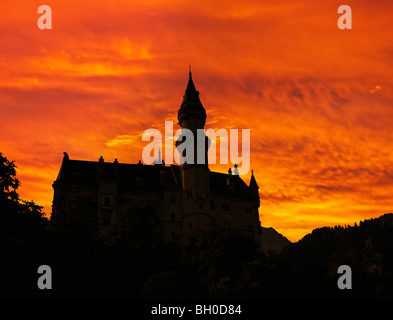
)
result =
(195, 176)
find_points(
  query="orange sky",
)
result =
(318, 100)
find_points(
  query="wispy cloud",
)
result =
(318, 100)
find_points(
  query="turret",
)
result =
(253, 187)
(192, 114)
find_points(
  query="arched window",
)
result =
(172, 198)
(107, 201)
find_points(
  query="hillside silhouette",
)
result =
(218, 263)
(367, 248)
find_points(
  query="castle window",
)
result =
(172, 198)
(227, 224)
(107, 200)
(226, 207)
(189, 194)
(106, 219)
(248, 210)
(212, 205)
(190, 226)
(250, 228)
(200, 205)
(173, 217)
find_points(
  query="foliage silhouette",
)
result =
(130, 261)
(367, 249)
(22, 231)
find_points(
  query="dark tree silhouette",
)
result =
(10, 203)
(14, 211)
(210, 266)
(137, 227)
(9, 198)
(23, 231)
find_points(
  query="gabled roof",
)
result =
(219, 185)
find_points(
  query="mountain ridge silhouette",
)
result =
(367, 248)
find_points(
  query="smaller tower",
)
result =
(254, 188)
(254, 225)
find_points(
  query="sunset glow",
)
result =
(318, 100)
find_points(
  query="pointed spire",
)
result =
(191, 91)
(191, 105)
(253, 181)
(253, 187)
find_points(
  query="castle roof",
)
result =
(133, 177)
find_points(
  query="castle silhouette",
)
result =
(186, 197)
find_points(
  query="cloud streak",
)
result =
(318, 100)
